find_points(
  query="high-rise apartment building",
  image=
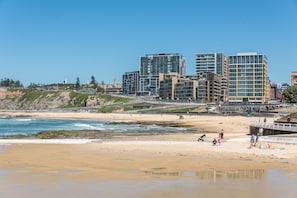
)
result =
(214, 63)
(248, 78)
(152, 65)
(130, 83)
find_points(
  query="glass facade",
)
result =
(152, 65)
(211, 62)
(130, 83)
(247, 78)
(214, 63)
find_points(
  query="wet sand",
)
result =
(152, 168)
(139, 159)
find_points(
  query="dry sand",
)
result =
(145, 157)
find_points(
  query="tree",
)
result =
(93, 80)
(6, 82)
(77, 84)
(290, 94)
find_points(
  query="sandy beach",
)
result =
(170, 146)
(158, 156)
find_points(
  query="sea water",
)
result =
(29, 125)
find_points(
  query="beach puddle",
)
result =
(123, 159)
(210, 174)
(188, 174)
(243, 183)
(4, 171)
(69, 171)
(3, 148)
(39, 175)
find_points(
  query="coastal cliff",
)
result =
(42, 100)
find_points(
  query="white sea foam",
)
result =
(89, 126)
(24, 119)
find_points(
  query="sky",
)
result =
(49, 41)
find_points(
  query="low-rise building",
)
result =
(167, 85)
(186, 89)
(209, 88)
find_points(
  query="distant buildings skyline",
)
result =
(240, 78)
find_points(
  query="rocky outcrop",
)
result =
(27, 101)
(41, 100)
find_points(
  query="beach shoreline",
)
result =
(116, 158)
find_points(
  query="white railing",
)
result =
(272, 125)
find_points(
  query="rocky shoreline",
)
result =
(91, 134)
(104, 134)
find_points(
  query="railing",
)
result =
(278, 126)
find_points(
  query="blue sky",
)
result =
(49, 41)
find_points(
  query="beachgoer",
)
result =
(257, 138)
(221, 135)
(214, 142)
(252, 140)
(219, 142)
(289, 119)
(260, 131)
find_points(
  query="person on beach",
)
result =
(214, 142)
(260, 131)
(219, 143)
(221, 134)
(252, 140)
(257, 138)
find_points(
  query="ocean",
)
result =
(28, 125)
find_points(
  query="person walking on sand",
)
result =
(257, 138)
(252, 140)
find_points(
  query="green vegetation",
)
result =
(110, 108)
(55, 134)
(10, 83)
(290, 94)
(78, 98)
(293, 115)
(177, 110)
(118, 99)
(131, 108)
(115, 99)
(30, 96)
